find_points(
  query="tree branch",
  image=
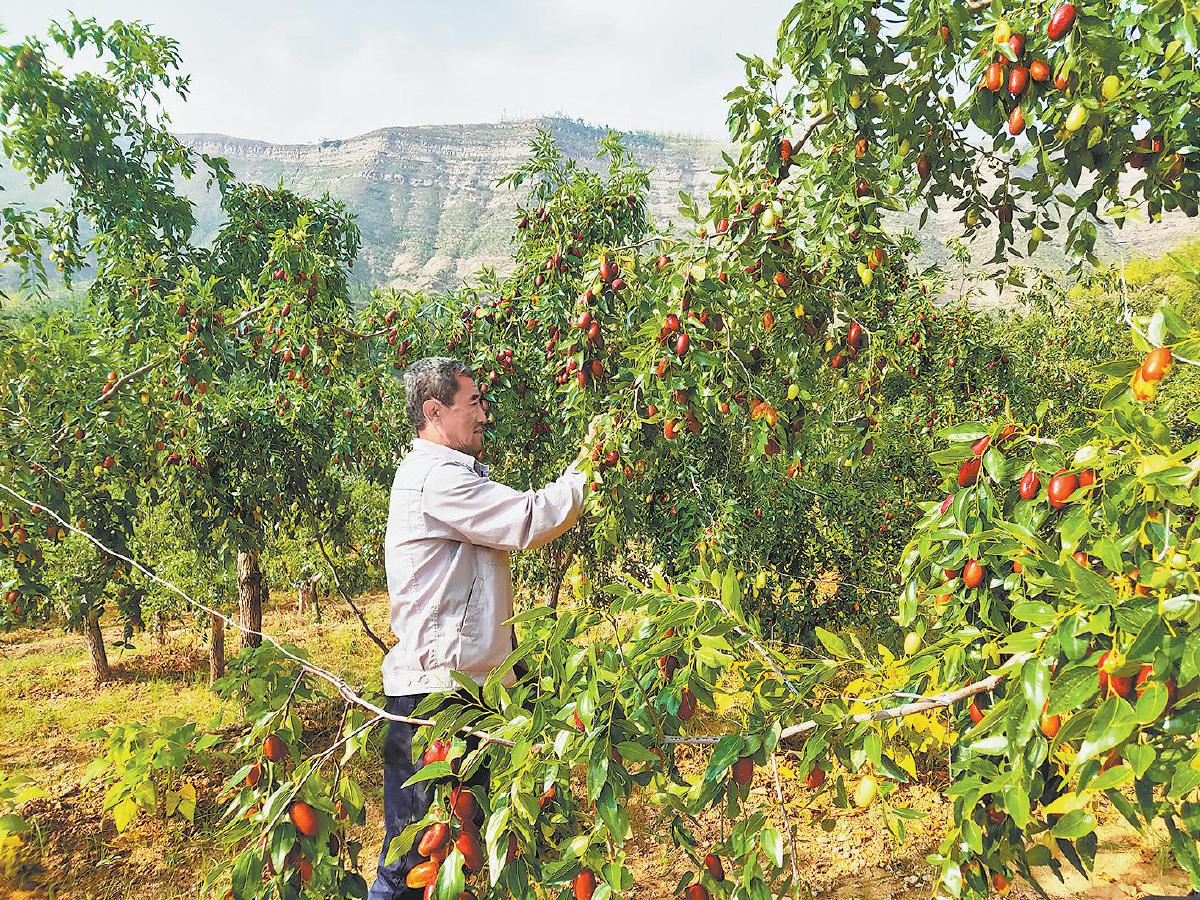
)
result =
(116, 386)
(345, 596)
(812, 126)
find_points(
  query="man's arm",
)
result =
(494, 515)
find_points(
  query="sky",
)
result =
(303, 71)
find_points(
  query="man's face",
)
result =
(458, 425)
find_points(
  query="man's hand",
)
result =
(589, 440)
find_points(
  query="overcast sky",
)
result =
(301, 71)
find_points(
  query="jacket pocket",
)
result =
(470, 629)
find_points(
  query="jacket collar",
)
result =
(463, 459)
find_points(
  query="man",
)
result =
(449, 533)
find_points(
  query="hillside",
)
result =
(426, 197)
(431, 213)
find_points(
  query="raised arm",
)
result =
(494, 515)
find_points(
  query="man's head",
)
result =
(444, 405)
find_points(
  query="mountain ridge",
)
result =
(432, 215)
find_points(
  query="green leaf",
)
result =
(1185, 780)
(1016, 803)
(1035, 612)
(771, 842)
(972, 835)
(466, 682)
(993, 745)
(731, 593)
(1127, 809)
(124, 813)
(963, 432)
(1074, 825)
(1139, 757)
(1147, 640)
(1035, 683)
(1072, 689)
(1151, 704)
(497, 844)
(1113, 723)
(450, 880)
(724, 755)
(831, 642)
(12, 824)
(431, 772)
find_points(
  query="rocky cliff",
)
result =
(426, 197)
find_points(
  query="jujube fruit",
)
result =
(422, 874)
(972, 574)
(274, 748)
(1157, 363)
(968, 472)
(716, 870)
(468, 846)
(1030, 485)
(743, 771)
(462, 802)
(1061, 21)
(994, 77)
(1018, 79)
(584, 885)
(1061, 488)
(304, 817)
(436, 752)
(975, 712)
(687, 704)
(864, 793)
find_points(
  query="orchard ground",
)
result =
(75, 851)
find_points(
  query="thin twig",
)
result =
(346, 596)
(625, 662)
(762, 651)
(654, 238)
(246, 315)
(350, 332)
(314, 766)
(908, 709)
(292, 693)
(787, 823)
(897, 712)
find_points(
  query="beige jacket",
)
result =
(449, 533)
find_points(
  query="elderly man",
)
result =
(449, 533)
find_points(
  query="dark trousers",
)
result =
(402, 805)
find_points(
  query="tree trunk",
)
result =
(250, 583)
(95, 642)
(560, 571)
(216, 649)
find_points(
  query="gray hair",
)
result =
(433, 377)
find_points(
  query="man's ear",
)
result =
(429, 407)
